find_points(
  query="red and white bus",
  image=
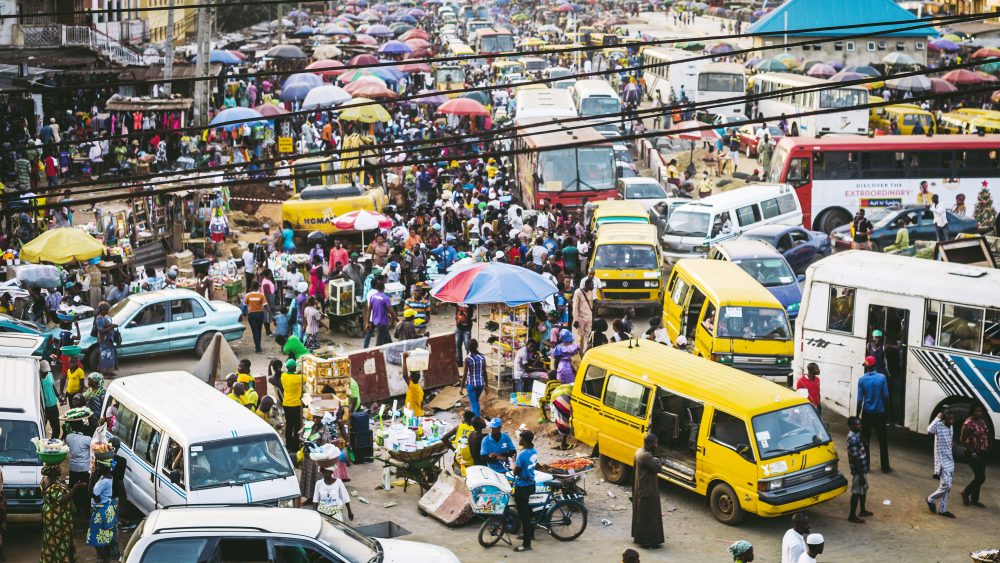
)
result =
(493, 40)
(550, 172)
(836, 176)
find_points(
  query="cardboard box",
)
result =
(181, 259)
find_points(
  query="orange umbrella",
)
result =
(463, 106)
(369, 89)
(327, 68)
(414, 34)
(414, 67)
(987, 53)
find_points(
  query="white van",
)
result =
(186, 444)
(21, 419)
(694, 227)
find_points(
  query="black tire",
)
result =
(726, 505)
(831, 219)
(201, 346)
(567, 520)
(614, 471)
(875, 246)
(92, 357)
(491, 531)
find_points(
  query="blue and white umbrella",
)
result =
(225, 118)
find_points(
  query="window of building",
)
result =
(919, 45)
(881, 45)
(871, 45)
(838, 46)
(900, 46)
(840, 318)
(850, 45)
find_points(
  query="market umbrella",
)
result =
(326, 68)
(325, 96)
(365, 59)
(417, 43)
(362, 220)
(395, 48)
(378, 29)
(808, 64)
(952, 37)
(304, 31)
(863, 69)
(847, 76)
(771, 65)
(295, 92)
(416, 12)
(365, 39)
(306, 78)
(62, 245)
(414, 67)
(236, 114)
(962, 77)
(326, 52)
(986, 77)
(363, 110)
(939, 86)
(285, 52)
(270, 110)
(917, 83)
(821, 71)
(369, 88)
(721, 49)
(995, 97)
(333, 29)
(492, 282)
(462, 106)
(705, 132)
(415, 34)
(428, 99)
(987, 53)
(549, 28)
(358, 73)
(991, 67)
(899, 59)
(942, 44)
(477, 95)
(223, 57)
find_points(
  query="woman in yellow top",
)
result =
(458, 439)
(415, 395)
(73, 382)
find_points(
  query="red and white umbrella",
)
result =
(707, 133)
(362, 220)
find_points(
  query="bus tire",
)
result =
(831, 219)
(725, 505)
(614, 471)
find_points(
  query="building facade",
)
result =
(185, 20)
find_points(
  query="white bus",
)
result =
(941, 324)
(597, 98)
(852, 119)
(675, 76)
(543, 103)
(720, 81)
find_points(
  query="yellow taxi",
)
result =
(627, 262)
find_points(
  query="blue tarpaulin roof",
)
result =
(804, 14)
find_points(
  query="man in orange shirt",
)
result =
(255, 308)
(413, 240)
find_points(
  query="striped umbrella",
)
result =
(492, 282)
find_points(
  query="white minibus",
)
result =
(21, 419)
(597, 98)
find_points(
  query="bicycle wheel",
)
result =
(567, 520)
(492, 531)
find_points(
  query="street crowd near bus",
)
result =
(715, 296)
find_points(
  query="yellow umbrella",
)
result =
(59, 246)
(370, 113)
(532, 42)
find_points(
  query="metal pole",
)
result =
(201, 67)
(168, 57)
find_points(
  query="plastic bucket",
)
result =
(418, 359)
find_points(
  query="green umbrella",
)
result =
(990, 67)
(693, 46)
(480, 97)
(771, 65)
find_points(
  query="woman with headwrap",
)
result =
(94, 396)
(324, 430)
(562, 414)
(101, 532)
(57, 517)
(562, 357)
(741, 551)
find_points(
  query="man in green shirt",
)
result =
(50, 399)
(902, 236)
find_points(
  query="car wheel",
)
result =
(876, 247)
(92, 357)
(726, 505)
(204, 340)
(614, 471)
(832, 219)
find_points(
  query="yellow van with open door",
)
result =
(747, 444)
(728, 316)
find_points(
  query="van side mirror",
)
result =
(745, 452)
(800, 278)
(175, 476)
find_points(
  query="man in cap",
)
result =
(291, 403)
(814, 547)
(497, 447)
(524, 487)
(873, 399)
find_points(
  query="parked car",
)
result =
(642, 189)
(763, 262)
(750, 137)
(660, 213)
(624, 158)
(886, 222)
(262, 533)
(9, 324)
(799, 246)
(165, 320)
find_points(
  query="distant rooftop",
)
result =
(805, 14)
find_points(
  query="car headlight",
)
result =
(286, 503)
(772, 485)
(653, 283)
(723, 358)
(783, 361)
(702, 248)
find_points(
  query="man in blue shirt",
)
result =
(497, 447)
(873, 399)
(524, 487)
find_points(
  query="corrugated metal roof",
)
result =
(804, 14)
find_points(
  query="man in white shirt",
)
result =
(814, 547)
(249, 266)
(940, 218)
(793, 545)
(542, 219)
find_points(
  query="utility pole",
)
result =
(201, 67)
(168, 57)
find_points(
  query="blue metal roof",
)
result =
(804, 14)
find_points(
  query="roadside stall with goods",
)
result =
(502, 294)
(411, 448)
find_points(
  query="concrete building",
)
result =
(185, 20)
(839, 45)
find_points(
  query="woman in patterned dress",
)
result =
(57, 517)
(101, 532)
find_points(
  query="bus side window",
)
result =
(798, 171)
(593, 381)
(961, 327)
(708, 319)
(991, 338)
(840, 317)
(679, 291)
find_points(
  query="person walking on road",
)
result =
(810, 382)
(741, 551)
(873, 399)
(944, 459)
(647, 521)
(814, 548)
(524, 487)
(793, 544)
(583, 312)
(256, 309)
(291, 403)
(975, 438)
(857, 456)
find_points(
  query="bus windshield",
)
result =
(788, 430)
(777, 165)
(599, 105)
(450, 75)
(720, 82)
(246, 459)
(770, 272)
(497, 43)
(688, 224)
(625, 257)
(753, 323)
(16, 447)
(582, 169)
